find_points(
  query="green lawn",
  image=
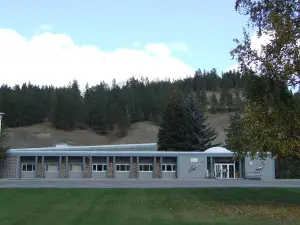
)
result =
(149, 206)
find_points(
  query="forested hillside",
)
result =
(111, 110)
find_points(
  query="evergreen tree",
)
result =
(229, 101)
(200, 132)
(238, 101)
(203, 99)
(214, 104)
(235, 134)
(222, 101)
(173, 132)
(3, 141)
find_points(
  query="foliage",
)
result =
(3, 139)
(266, 133)
(271, 118)
(279, 20)
(200, 132)
(173, 133)
(104, 107)
(214, 104)
(235, 140)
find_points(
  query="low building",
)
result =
(138, 161)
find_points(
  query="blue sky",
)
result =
(206, 27)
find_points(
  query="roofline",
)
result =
(116, 153)
(89, 148)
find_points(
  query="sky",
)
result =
(54, 42)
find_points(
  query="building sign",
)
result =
(194, 160)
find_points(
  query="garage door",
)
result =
(28, 170)
(51, 170)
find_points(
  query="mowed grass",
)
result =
(149, 206)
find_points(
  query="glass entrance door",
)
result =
(225, 171)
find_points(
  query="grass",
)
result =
(149, 206)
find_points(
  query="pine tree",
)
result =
(222, 101)
(201, 133)
(203, 99)
(173, 131)
(3, 141)
(214, 104)
(235, 134)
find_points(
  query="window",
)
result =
(28, 167)
(76, 167)
(146, 168)
(99, 167)
(52, 167)
(169, 168)
(122, 167)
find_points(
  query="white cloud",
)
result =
(137, 44)
(178, 46)
(55, 59)
(256, 44)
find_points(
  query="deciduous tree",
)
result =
(271, 118)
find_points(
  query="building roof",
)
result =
(65, 147)
(115, 153)
(146, 150)
(217, 150)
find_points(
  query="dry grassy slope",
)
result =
(145, 132)
(44, 135)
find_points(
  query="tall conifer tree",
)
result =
(202, 135)
(173, 133)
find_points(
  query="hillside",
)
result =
(44, 135)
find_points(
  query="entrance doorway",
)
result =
(225, 170)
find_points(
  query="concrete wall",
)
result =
(268, 172)
(185, 164)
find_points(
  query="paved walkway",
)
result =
(90, 183)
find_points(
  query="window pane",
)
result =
(118, 168)
(169, 167)
(94, 167)
(151, 167)
(99, 168)
(127, 167)
(24, 167)
(174, 167)
(122, 167)
(164, 168)
(104, 167)
(141, 167)
(29, 167)
(33, 167)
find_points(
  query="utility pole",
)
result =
(1, 114)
